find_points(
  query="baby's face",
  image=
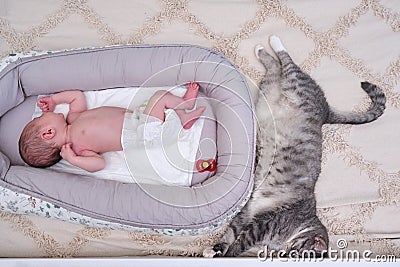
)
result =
(51, 119)
(56, 122)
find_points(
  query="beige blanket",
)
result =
(340, 43)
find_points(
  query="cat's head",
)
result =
(311, 242)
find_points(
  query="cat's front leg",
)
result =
(216, 251)
(245, 241)
(234, 249)
(223, 249)
(220, 249)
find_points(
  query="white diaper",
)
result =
(141, 129)
(149, 130)
(160, 152)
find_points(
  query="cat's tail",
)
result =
(375, 111)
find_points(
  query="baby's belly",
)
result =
(109, 141)
(99, 139)
(100, 129)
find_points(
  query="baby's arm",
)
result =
(88, 160)
(75, 98)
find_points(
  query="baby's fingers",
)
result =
(66, 151)
(43, 100)
(62, 152)
(40, 103)
(46, 104)
(45, 108)
(66, 147)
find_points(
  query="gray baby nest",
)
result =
(231, 125)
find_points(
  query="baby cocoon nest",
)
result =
(88, 133)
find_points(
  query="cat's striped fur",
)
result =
(281, 214)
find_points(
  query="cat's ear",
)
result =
(319, 245)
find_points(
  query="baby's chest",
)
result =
(81, 139)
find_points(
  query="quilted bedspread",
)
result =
(339, 43)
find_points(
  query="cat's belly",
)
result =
(262, 202)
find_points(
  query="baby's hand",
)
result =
(67, 153)
(46, 104)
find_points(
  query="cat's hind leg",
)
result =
(272, 70)
(276, 43)
(257, 50)
(266, 59)
(294, 78)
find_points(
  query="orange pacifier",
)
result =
(208, 165)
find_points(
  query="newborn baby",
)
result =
(85, 134)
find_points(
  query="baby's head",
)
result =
(41, 140)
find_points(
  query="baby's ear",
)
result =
(47, 133)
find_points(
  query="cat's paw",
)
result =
(257, 50)
(209, 253)
(216, 251)
(276, 43)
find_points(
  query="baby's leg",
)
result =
(162, 100)
(189, 118)
(191, 94)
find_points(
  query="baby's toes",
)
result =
(193, 85)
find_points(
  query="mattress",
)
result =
(339, 43)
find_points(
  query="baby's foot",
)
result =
(189, 118)
(191, 94)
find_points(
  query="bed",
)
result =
(357, 194)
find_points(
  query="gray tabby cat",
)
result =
(281, 214)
